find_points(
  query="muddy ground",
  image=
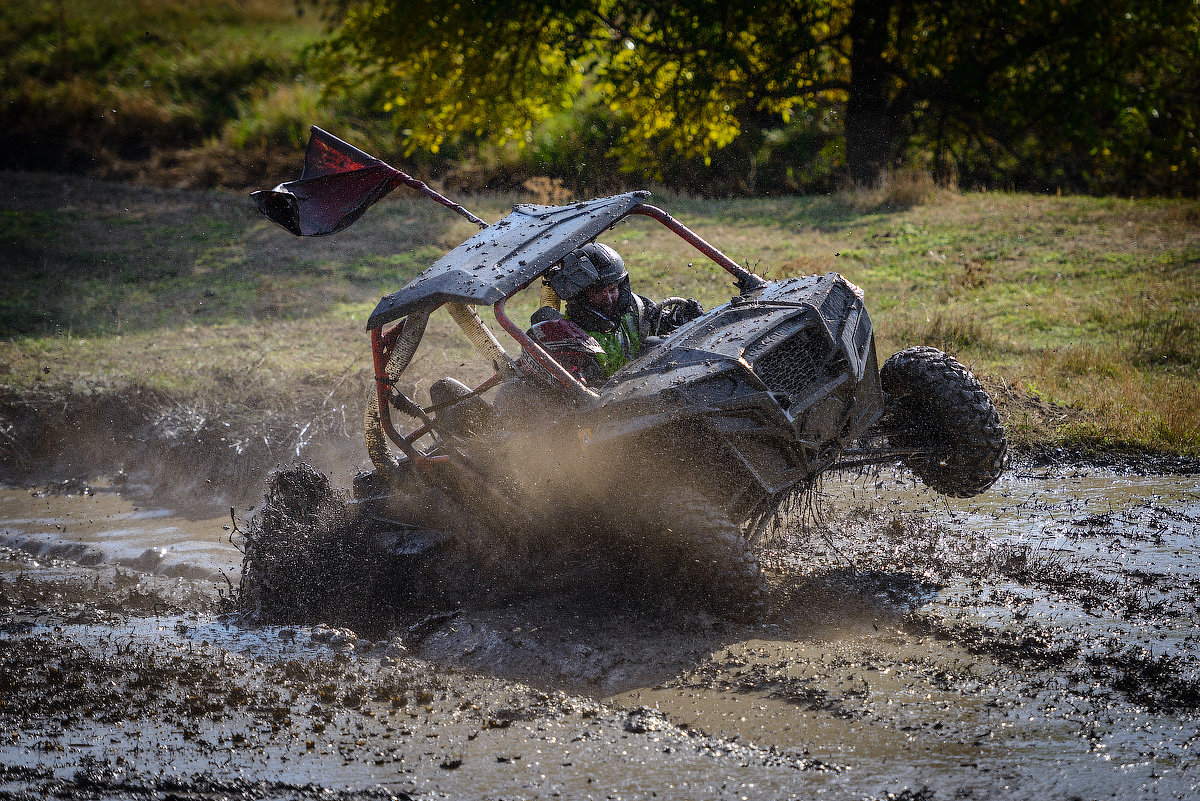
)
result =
(1039, 641)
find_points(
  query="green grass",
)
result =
(79, 266)
(176, 51)
(1081, 314)
(88, 84)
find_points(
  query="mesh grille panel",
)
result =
(795, 364)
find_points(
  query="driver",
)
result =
(606, 324)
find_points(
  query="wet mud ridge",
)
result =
(174, 451)
(1038, 641)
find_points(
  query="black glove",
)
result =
(684, 312)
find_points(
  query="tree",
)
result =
(1065, 93)
(1028, 92)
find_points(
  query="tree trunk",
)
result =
(868, 124)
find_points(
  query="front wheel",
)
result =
(937, 407)
(709, 561)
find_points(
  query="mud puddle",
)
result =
(1039, 641)
(94, 525)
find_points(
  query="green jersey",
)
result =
(619, 346)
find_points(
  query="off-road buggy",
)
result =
(702, 437)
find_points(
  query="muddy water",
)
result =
(1039, 641)
(95, 525)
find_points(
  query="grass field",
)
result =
(168, 91)
(1082, 314)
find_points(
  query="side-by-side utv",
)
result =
(705, 433)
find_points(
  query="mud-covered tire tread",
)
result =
(716, 564)
(938, 404)
(307, 558)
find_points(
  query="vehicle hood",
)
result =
(824, 310)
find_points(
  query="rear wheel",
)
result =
(308, 557)
(936, 405)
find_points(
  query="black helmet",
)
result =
(610, 267)
(592, 265)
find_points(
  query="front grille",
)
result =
(794, 365)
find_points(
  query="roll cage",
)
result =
(455, 280)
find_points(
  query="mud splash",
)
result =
(313, 553)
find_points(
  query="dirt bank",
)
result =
(195, 456)
(180, 452)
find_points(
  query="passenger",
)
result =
(606, 324)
